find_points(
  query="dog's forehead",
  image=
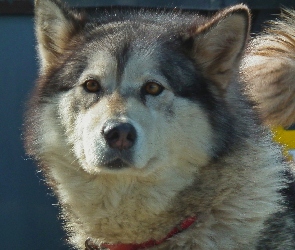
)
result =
(100, 63)
(126, 63)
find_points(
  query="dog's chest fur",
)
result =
(224, 217)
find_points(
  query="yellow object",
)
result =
(287, 138)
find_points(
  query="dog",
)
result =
(141, 127)
(269, 71)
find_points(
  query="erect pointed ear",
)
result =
(218, 44)
(55, 26)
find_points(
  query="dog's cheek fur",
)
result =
(181, 134)
(191, 133)
(82, 125)
(83, 137)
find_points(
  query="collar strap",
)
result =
(137, 246)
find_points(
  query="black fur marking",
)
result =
(69, 72)
(122, 58)
(289, 191)
(183, 74)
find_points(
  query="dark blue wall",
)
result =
(28, 220)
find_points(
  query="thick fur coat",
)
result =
(139, 121)
(269, 71)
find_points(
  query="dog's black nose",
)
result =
(120, 136)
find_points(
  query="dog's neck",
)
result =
(151, 243)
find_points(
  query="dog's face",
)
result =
(123, 113)
(132, 96)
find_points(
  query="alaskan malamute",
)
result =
(141, 127)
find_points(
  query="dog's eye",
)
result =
(92, 86)
(153, 88)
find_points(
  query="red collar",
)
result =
(150, 243)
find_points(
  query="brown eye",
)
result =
(92, 86)
(153, 88)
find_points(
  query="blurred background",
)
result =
(28, 211)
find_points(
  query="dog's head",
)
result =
(132, 92)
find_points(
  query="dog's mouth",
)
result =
(111, 159)
(117, 163)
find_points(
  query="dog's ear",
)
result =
(55, 28)
(217, 45)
